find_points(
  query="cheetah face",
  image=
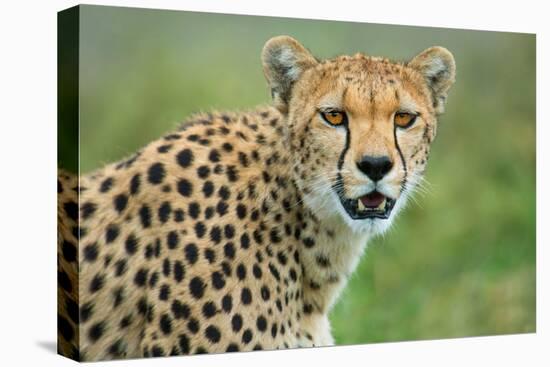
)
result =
(360, 127)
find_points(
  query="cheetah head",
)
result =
(360, 127)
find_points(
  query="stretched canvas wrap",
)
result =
(233, 183)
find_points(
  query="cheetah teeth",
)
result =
(362, 207)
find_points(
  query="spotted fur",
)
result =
(227, 234)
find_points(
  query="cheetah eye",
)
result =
(334, 117)
(404, 119)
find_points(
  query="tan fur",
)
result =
(280, 168)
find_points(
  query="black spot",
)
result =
(246, 296)
(209, 309)
(245, 241)
(71, 209)
(125, 322)
(308, 242)
(229, 250)
(59, 187)
(226, 268)
(274, 271)
(216, 234)
(191, 253)
(172, 239)
(140, 277)
(274, 330)
(322, 261)
(179, 271)
(118, 295)
(72, 310)
(221, 208)
(153, 279)
(185, 188)
(178, 215)
(247, 336)
(97, 283)
(261, 323)
(281, 257)
(157, 351)
(164, 148)
(165, 324)
(265, 293)
(194, 210)
(227, 303)
(308, 308)
(145, 216)
(142, 306)
(227, 147)
(106, 184)
(257, 237)
(69, 251)
(224, 193)
(164, 211)
(243, 159)
(209, 212)
(91, 252)
(218, 281)
(274, 235)
(164, 292)
(203, 172)
(212, 333)
(214, 156)
(229, 231)
(111, 233)
(172, 137)
(208, 189)
(293, 275)
(149, 251)
(86, 311)
(241, 271)
(236, 323)
(183, 342)
(131, 244)
(241, 211)
(185, 158)
(180, 310)
(166, 267)
(120, 202)
(232, 348)
(210, 255)
(200, 229)
(96, 331)
(135, 183)
(65, 328)
(193, 325)
(196, 287)
(88, 209)
(257, 271)
(232, 173)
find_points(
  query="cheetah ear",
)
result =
(437, 65)
(284, 60)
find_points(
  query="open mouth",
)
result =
(371, 205)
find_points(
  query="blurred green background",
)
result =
(461, 262)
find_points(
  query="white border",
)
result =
(28, 166)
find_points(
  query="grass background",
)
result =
(460, 262)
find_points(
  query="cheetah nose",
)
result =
(375, 167)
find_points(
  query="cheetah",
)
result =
(239, 230)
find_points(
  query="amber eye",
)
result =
(334, 117)
(404, 119)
